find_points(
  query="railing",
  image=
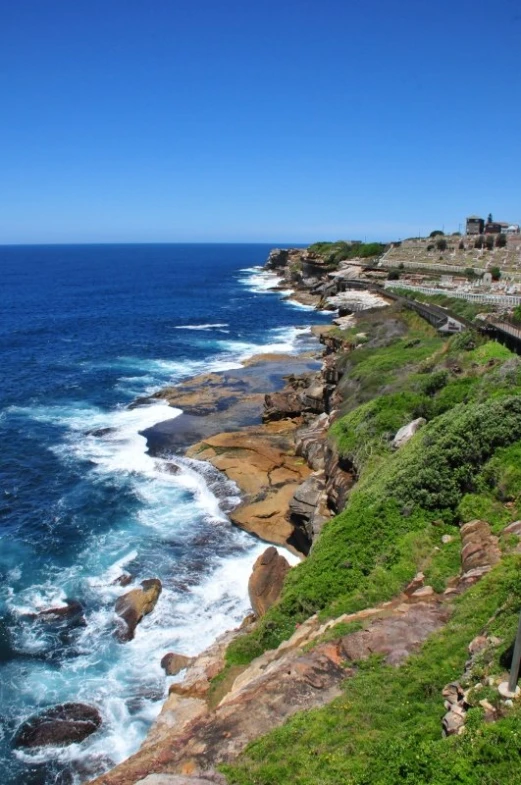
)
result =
(509, 300)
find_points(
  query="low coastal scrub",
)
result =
(405, 500)
(339, 251)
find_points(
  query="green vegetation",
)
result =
(385, 729)
(339, 251)
(437, 233)
(458, 306)
(469, 391)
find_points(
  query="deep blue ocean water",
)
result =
(84, 331)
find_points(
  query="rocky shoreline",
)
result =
(264, 426)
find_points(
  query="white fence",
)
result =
(509, 300)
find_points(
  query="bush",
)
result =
(501, 241)
(495, 272)
(441, 244)
(478, 242)
(489, 242)
(394, 275)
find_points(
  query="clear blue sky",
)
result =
(256, 120)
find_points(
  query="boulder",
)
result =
(407, 432)
(136, 604)
(68, 723)
(172, 663)
(266, 580)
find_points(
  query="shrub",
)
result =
(495, 272)
(441, 244)
(394, 275)
(478, 242)
(501, 241)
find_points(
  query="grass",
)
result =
(469, 392)
(385, 729)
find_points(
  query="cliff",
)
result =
(394, 467)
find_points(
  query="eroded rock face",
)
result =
(266, 580)
(68, 723)
(136, 604)
(406, 433)
(307, 505)
(479, 551)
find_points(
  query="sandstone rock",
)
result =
(283, 404)
(477, 644)
(513, 528)
(172, 663)
(266, 580)
(68, 723)
(453, 722)
(304, 506)
(416, 583)
(136, 604)
(406, 433)
(489, 709)
(453, 692)
(479, 546)
(310, 442)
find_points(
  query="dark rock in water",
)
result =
(68, 723)
(123, 580)
(172, 663)
(135, 604)
(6, 650)
(143, 401)
(73, 612)
(100, 432)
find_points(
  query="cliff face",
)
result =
(380, 521)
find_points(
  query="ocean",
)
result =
(86, 330)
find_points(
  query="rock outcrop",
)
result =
(406, 433)
(136, 604)
(173, 663)
(261, 462)
(479, 551)
(266, 580)
(68, 723)
(190, 739)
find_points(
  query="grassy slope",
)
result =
(469, 393)
(386, 728)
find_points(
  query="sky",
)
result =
(256, 120)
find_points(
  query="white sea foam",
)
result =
(200, 326)
(259, 280)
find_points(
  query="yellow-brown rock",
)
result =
(266, 580)
(136, 604)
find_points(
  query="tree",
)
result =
(436, 233)
(489, 241)
(489, 218)
(495, 272)
(501, 240)
(441, 244)
(478, 242)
